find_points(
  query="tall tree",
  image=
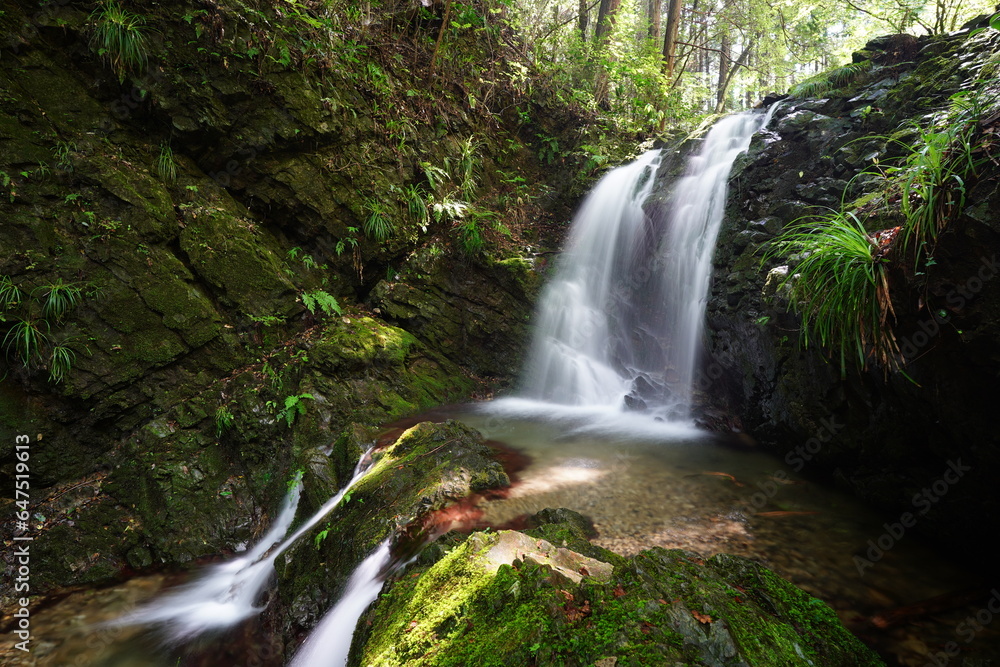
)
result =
(670, 37)
(602, 35)
(605, 21)
(655, 10)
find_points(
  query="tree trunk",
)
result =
(602, 34)
(655, 10)
(584, 19)
(726, 74)
(605, 21)
(724, 60)
(670, 37)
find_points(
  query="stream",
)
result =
(603, 420)
(672, 488)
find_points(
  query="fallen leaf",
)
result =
(703, 618)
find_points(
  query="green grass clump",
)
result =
(838, 77)
(166, 165)
(840, 287)
(120, 38)
(32, 317)
(378, 226)
(934, 176)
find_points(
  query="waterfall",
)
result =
(620, 325)
(227, 594)
(329, 642)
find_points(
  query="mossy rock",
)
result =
(484, 603)
(427, 468)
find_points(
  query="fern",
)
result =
(294, 407)
(319, 300)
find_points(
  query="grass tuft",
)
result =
(120, 38)
(166, 165)
(840, 287)
(378, 226)
(838, 77)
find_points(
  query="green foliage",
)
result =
(224, 419)
(10, 294)
(293, 407)
(378, 226)
(838, 77)
(60, 362)
(166, 165)
(63, 151)
(343, 243)
(32, 314)
(436, 176)
(840, 287)
(57, 299)
(933, 178)
(319, 300)
(416, 205)
(468, 167)
(449, 209)
(120, 38)
(26, 339)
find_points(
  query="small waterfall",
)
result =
(226, 594)
(329, 643)
(620, 325)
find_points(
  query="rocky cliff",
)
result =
(917, 438)
(268, 224)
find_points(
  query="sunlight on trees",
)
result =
(650, 64)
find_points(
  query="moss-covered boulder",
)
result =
(509, 598)
(428, 467)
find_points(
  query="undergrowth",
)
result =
(120, 39)
(34, 317)
(840, 283)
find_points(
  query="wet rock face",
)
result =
(548, 597)
(887, 438)
(477, 311)
(427, 468)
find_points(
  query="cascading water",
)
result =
(227, 593)
(620, 325)
(329, 643)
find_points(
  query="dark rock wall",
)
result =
(191, 336)
(889, 438)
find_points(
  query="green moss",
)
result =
(659, 608)
(428, 467)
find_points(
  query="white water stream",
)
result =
(227, 594)
(621, 323)
(330, 641)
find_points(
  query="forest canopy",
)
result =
(666, 62)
